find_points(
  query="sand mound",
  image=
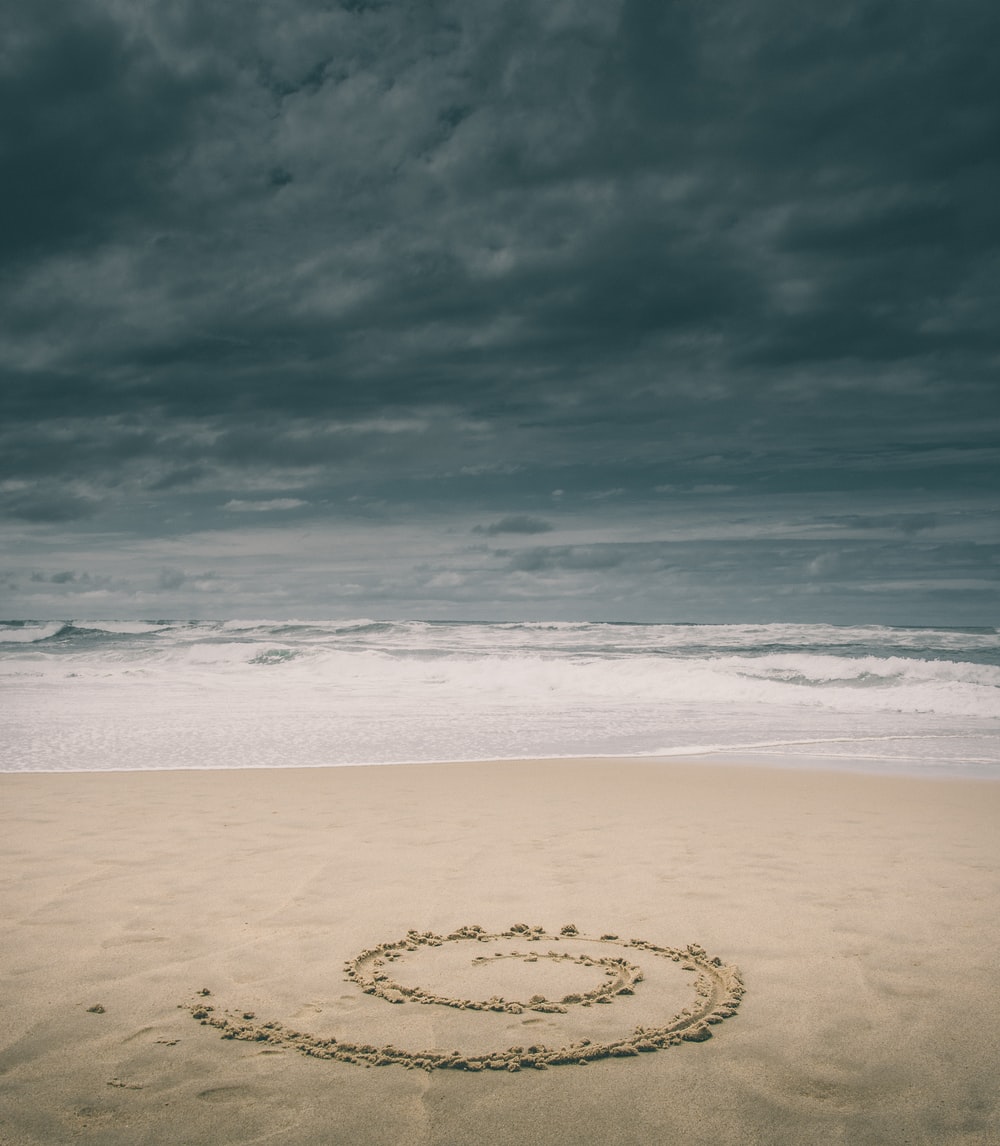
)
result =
(566, 983)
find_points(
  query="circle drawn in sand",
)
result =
(718, 989)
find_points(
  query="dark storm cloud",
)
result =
(45, 505)
(90, 120)
(770, 569)
(466, 254)
(71, 581)
(802, 185)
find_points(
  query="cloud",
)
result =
(541, 559)
(170, 579)
(180, 476)
(62, 578)
(532, 187)
(236, 505)
(93, 119)
(46, 505)
(453, 265)
(75, 582)
(515, 523)
(909, 524)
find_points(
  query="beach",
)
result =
(147, 915)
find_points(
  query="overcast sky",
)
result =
(483, 309)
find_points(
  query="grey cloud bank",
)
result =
(657, 311)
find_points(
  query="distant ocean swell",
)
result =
(244, 693)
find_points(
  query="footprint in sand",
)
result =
(226, 1094)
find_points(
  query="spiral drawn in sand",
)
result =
(718, 989)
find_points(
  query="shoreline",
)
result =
(859, 909)
(799, 763)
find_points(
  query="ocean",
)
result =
(128, 695)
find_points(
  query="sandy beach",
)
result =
(221, 956)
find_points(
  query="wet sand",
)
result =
(544, 951)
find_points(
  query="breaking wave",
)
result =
(361, 690)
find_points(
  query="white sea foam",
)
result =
(29, 633)
(252, 693)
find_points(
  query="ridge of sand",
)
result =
(718, 990)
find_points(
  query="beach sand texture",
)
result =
(219, 956)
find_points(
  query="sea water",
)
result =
(113, 695)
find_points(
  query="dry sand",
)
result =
(863, 914)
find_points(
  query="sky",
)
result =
(568, 309)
